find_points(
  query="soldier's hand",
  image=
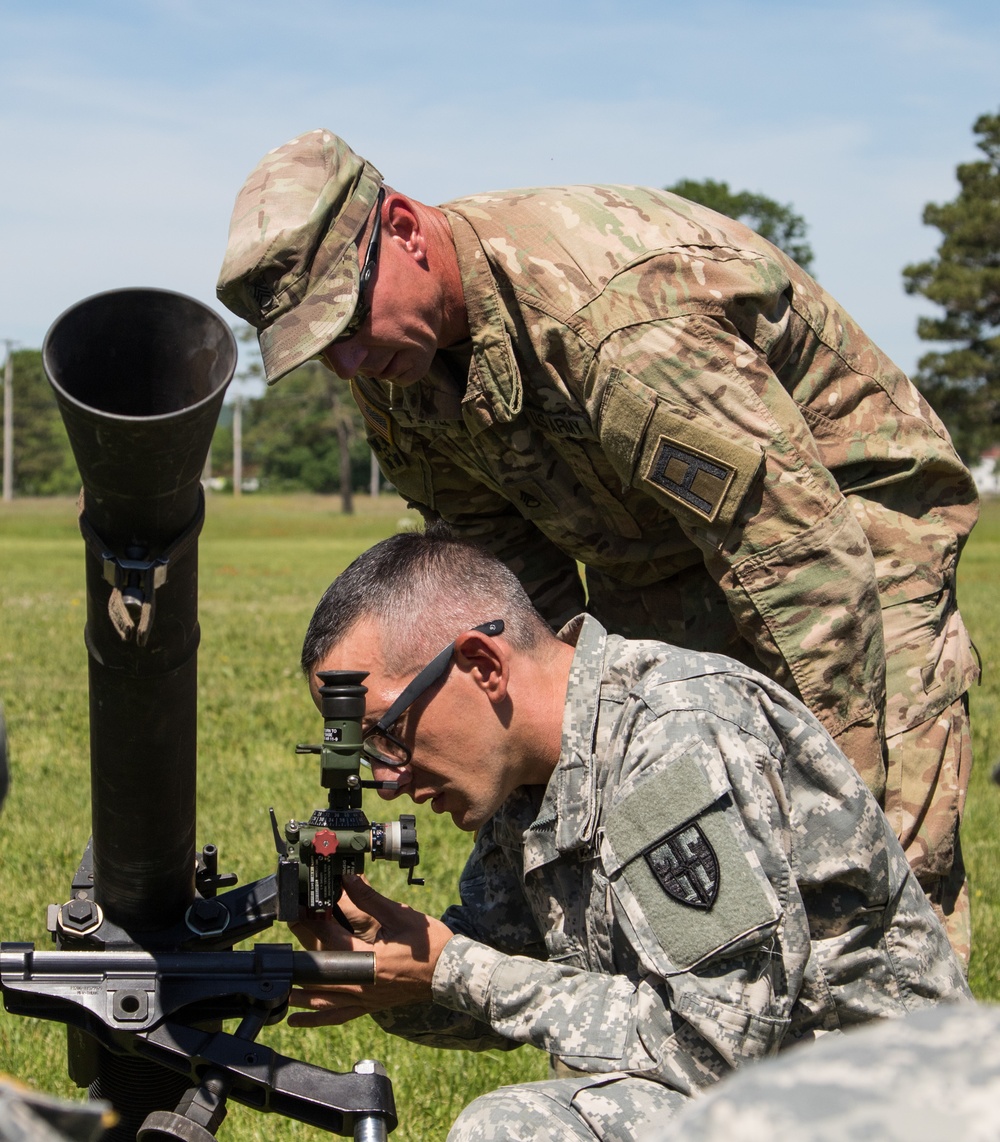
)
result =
(319, 933)
(407, 944)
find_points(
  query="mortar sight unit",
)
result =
(144, 973)
(316, 854)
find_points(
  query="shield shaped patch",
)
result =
(686, 866)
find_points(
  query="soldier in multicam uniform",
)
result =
(617, 377)
(676, 871)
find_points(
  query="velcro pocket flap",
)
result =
(682, 866)
(677, 456)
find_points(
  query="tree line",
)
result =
(307, 433)
(304, 435)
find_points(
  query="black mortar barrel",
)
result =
(139, 375)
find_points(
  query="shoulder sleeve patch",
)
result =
(696, 468)
(682, 461)
(681, 864)
(686, 866)
(690, 476)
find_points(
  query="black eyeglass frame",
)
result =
(422, 682)
(364, 305)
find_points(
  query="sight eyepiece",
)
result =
(317, 854)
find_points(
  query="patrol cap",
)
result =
(291, 266)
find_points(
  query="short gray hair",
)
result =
(423, 589)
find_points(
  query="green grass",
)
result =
(979, 598)
(264, 563)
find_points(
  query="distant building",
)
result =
(985, 472)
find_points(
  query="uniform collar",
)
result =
(494, 393)
(568, 815)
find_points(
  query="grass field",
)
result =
(264, 562)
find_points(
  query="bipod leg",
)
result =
(201, 1110)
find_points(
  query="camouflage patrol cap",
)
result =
(291, 266)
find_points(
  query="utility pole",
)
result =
(238, 445)
(8, 424)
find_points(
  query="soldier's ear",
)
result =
(402, 222)
(487, 662)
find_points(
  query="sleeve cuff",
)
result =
(463, 976)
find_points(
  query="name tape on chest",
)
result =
(567, 424)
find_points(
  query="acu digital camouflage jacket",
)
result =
(705, 877)
(658, 393)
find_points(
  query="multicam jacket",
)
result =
(704, 877)
(658, 393)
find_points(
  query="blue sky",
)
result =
(128, 126)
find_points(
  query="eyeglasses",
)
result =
(383, 746)
(363, 308)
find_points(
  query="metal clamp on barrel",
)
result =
(135, 579)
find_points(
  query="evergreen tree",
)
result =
(778, 224)
(963, 382)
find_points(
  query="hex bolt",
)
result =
(208, 916)
(80, 911)
(79, 916)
